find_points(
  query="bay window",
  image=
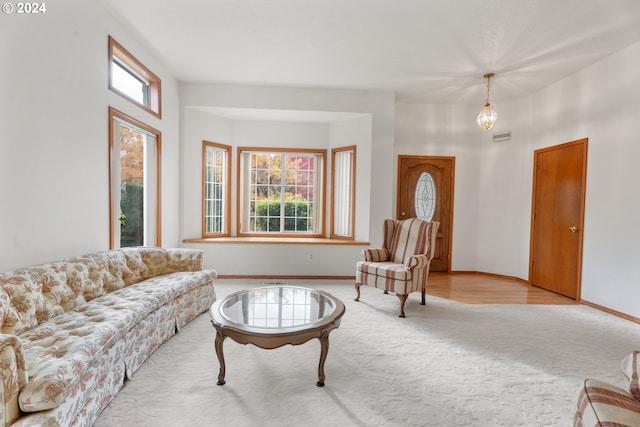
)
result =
(281, 192)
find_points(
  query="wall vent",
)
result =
(504, 136)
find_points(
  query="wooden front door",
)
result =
(425, 190)
(559, 183)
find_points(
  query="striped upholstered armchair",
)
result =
(401, 266)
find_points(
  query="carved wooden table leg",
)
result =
(220, 354)
(324, 350)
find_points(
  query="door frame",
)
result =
(452, 159)
(585, 142)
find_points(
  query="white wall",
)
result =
(371, 129)
(357, 131)
(54, 133)
(446, 130)
(494, 180)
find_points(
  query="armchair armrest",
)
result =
(631, 370)
(417, 261)
(14, 376)
(376, 255)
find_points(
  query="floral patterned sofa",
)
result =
(72, 331)
(604, 405)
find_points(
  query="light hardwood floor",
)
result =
(474, 288)
(470, 288)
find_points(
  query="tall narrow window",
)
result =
(216, 173)
(281, 192)
(343, 162)
(129, 78)
(134, 170)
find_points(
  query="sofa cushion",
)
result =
(8, 314)
(57, 295)
(24, 289)
(184, 259)
(630, 370)
(85, 276)
(60, 352)
(156, 262)
(119, 274)
(602, 404)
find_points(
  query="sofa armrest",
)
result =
(376, 255)
(185, 259)
(417, 261)
(14, 377)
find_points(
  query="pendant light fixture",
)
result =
(488, 115)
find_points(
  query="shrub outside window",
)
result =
(134, 174)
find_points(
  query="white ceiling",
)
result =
(433, 51)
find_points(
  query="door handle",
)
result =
(573, 229)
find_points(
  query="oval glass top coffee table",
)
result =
(273, 316)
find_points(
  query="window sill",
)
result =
(279, 240)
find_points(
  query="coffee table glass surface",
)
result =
(270, 317)
(276, 309)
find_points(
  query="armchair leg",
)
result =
(358, 292)
(403, 299)
(424, 299)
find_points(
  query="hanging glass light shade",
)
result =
(488, 115)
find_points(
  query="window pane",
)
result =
(130, 78)
(216, 172)
(343, 169)
(425, 197)
(283, 195)
(126, 82)
(134, 185)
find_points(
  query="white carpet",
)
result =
(445, 364)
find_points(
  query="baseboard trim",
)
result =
(303, 277)
(610, 311)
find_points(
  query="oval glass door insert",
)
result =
(425, 199)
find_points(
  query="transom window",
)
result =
(129, 78)
(281, 191)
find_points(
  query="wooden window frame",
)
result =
(114, 156)
(352, 192)
(227, 195)
(154, 101)
(322, 193)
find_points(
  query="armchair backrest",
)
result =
(404, 238)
